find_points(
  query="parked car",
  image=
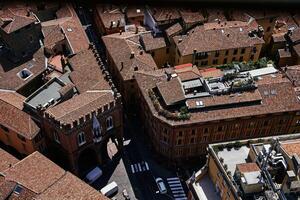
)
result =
(161, 185)
(93, 175)
(110, 189)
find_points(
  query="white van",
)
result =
(109, 189)
(93, 175)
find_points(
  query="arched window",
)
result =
(109, 123)
(56, 137)
(81, 138)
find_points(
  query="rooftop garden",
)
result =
(183, 113)
(246, 66)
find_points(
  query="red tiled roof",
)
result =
(17, 120)
(80, 105)
(174, 29)
(293, 73)
(7, 160)
(12, 98)
(127, 43)
(9, 78)
(277, 96)
(14, 18)
(171, 91)
(34, 172)
(206, 38)
(291, 147)
(71, 187)
(110, 14)
(42, 179)
(161, 14)
(183, 66)
(247, 167)
(152, 43)
(86, 72)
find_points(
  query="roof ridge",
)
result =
(66, 113)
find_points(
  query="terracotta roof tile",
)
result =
(12, 18)
(7, 160)
(71, 28)
(215, 14)
(111, 15)
(207, 38)
(42, 179)
(291, 147)
(34, 172)
(171, 91)
(133, 11)
(127, 43)
(151, 43)
(174, 29)
(52, 35)
(6, 188)
(17, 120)
(278, 37)
(247, 167)
(12, 98)
(80, 106)
(190, 17)
(161, 14)
(9, 78)
(86, 72)
(293, 73)
(71, 187)
(274, 91)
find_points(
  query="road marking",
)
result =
(175, 185)
(170, 182)
(176, 188)
(181, 198)
(178, 191)
(147, 166)
(139, 167)
(174, 178)
(132, 169)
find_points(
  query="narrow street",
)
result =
(135, 169)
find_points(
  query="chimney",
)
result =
(132, 54)
(136, 30)
(194, 56)
(122, 66)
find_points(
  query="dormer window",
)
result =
(81, 139)
(109, 123)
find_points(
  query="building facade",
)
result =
(218, 43)
(248, 176)
(20, 31)
(179, 133)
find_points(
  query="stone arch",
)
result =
(87, 160)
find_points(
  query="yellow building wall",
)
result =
(222, 58)
(11, 139)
